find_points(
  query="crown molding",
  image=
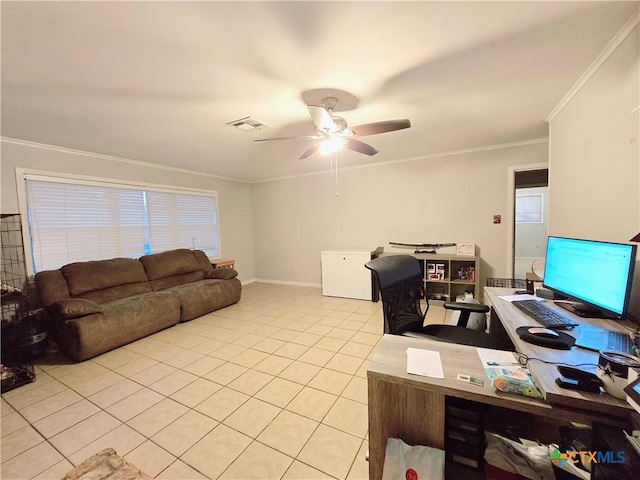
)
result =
(44, 146)
(615, 42)
(321, 172)
(415, 159)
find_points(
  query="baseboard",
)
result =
(283, 282)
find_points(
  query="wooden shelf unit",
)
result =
(449, 286)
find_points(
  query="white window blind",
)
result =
(72, 220)
(529, 208)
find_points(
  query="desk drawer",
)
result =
(464, 432)
(461, 425)
(464, 414)
(461, 437)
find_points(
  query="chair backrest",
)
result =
(399, 278)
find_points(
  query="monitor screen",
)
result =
(598, 274)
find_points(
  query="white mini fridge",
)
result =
(344, 274)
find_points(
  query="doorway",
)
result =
(530, 219)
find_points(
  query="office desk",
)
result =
(506, 318)
(412, 407)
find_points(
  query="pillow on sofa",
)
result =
(74, 307)
(222, 273)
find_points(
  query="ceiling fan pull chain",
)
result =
(335, 159)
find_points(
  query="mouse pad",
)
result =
(564, 341)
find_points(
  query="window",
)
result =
(529, 208)
(73, 220)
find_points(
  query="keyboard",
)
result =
(619, 341)
(598, 339)
(545, 315)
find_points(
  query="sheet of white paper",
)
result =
(524, 296)
(424, 362)
(496, 358)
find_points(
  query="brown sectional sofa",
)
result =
(93, 307)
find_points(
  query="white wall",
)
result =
(594, 156)
(594, 161)
(236, 228)
(435, 200)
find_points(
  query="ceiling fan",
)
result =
(333, 132)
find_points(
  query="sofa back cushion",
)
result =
(203, 260)
(175, 267)
(106, 280)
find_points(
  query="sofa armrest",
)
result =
(70, 308)
(221, 273)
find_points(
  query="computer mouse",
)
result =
(543, 332)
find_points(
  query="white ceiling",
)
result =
(158, 81)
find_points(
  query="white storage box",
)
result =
(344, 274)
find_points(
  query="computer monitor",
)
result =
(596, 274)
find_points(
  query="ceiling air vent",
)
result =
(247, 123)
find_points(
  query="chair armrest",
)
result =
(470, 307)
(466, 309)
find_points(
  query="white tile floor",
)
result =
(271, 388)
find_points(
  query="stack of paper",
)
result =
(424, 362)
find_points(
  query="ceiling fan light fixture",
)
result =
(331, 145)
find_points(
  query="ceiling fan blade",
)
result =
(322, 119)
(308, 137)
(360, 147)
(380, 127)
(310, 151)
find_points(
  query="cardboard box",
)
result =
(465, 249)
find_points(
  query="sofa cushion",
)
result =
(116, 293)
(200, 298)
(121, 322)
(51, 287)
(174, 280)
(85, 277)
(221, 273)
(175, 267)
(203, 260)
(167, 264)
(74, 308)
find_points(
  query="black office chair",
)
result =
(400, 281)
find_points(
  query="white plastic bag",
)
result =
(404, 462)
(533, 463)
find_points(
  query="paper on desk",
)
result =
(523, 296)
(496, 358)
(424, 362)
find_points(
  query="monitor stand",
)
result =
(581, 310)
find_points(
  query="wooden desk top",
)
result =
(390, 363)
(545, 374)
